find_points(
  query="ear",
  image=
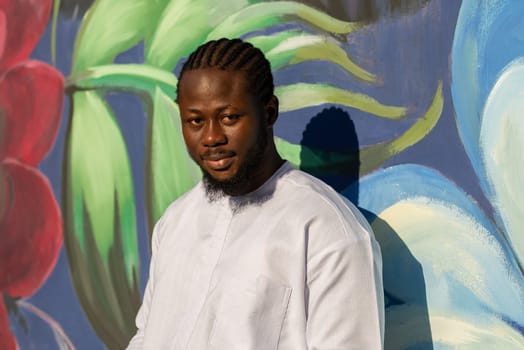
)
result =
(271, 109)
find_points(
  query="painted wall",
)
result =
(412, 109)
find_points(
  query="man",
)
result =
(258, 255)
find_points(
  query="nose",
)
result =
(213, 135)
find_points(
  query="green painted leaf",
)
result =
(112, 26)
(170, 171)
(100, 169)
(99, 218)
(131, 77)
(264, 15)
(183, 26)
(54, 21)
(371, 157)
(269, 42)
(302, 95)
(292, 47)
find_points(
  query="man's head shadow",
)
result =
(330, 151)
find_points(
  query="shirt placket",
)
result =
(207, 264)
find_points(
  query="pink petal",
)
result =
(31, 97)
(30, 229)
(25, 21)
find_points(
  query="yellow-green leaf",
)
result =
(293, 47)
(373, 156)
(301, 95)
(266, 14)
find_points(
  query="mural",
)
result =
(30, 220)
(408, 108)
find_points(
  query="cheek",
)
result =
(245, 136)
(190, 139)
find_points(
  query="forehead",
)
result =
(209, 83)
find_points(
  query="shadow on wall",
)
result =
(332, 131)
(328, 135)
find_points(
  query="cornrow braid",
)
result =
(234, 55)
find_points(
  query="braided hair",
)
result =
(234, 55)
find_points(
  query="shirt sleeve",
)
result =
(136, 343)
(346, 297)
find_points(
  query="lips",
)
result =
(218, 161)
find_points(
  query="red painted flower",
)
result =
(31, 94)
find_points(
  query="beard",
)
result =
(216, 189)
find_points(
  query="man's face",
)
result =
(224, 128)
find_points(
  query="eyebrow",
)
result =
(219, 109)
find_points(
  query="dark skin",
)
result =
(222, 123)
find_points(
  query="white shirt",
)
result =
(290, 266)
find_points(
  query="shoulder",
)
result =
(329, 215)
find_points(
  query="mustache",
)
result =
(216, 154)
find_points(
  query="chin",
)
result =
(221, 176)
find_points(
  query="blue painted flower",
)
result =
(472, 290)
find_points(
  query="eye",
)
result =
(230, 119)
(194, 121)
